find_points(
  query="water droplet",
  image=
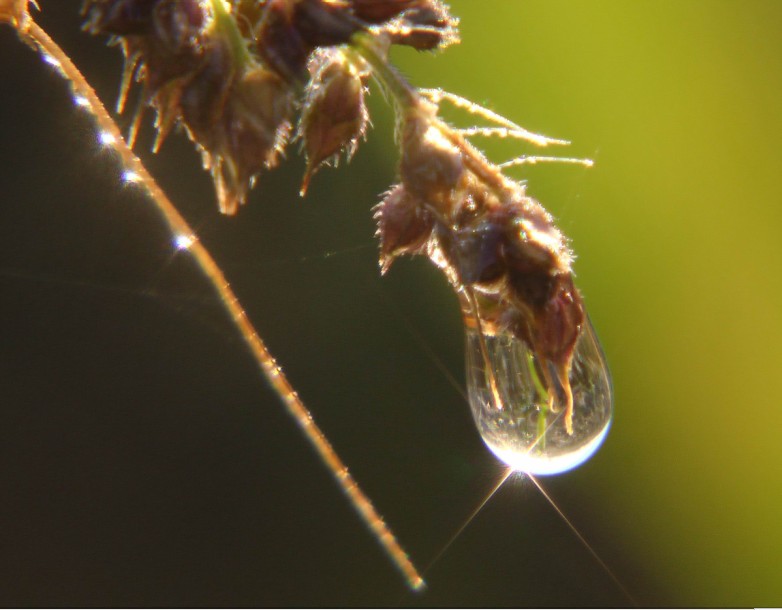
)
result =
(520, 428)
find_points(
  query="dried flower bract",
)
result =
(232, 75)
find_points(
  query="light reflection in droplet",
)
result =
(522, 431)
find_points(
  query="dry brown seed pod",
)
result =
(162, 40)
(202, 97)
(430, 166)
(254, 129)
(278, 42)
(404, 225)
(118, 17)
(476, 252)
(559, 322)
(380, 11)
(176, 43)
(334, 115)
(289, 32)
(194, 72)
(426, 26)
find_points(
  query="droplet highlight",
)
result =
(512, 412)
(130, 177)
(183, 242)
(106, 138)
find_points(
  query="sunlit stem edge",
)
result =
(33, 34)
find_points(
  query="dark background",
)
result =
(144, 461)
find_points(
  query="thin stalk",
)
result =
(403, 93)
(111, 135)
(407, 97)
(226, 24)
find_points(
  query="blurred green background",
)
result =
(145, 462)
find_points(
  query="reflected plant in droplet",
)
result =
(521, 429)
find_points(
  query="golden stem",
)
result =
(111, 136)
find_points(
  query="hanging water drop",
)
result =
(511, 407)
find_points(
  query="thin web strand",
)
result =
(110, 135)
(424, 345)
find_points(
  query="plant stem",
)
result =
(225, 23)
(407, 97)
(33, 34)
(403, 93)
